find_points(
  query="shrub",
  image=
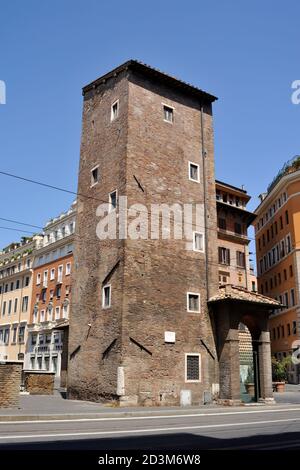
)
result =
(280, 368)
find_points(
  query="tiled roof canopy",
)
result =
(230, 292)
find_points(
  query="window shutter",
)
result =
(228, 256)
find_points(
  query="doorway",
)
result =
(248, 365)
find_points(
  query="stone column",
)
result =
(265, 368)
(230, 369)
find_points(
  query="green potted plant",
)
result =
(249, 382)
(280, 372)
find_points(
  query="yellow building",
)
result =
(233, 242)
(16, 262)
(235, 267)
(277, 234)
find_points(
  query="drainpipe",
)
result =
(205, 199)
(215, 375)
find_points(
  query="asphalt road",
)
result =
(244, 429)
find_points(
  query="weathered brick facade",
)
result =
(120, 352)
(10, 381)
(39, 382)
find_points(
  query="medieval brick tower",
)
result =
(140, 329)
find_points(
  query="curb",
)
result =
(133, 414)
(96, 416)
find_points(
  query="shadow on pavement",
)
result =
(167, 442)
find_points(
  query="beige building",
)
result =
(16, 262)
(48, 324)
(235, 267)
(233, 242)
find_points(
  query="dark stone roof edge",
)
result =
(152, 73)
(231, 186)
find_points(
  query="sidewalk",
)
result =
(38, 407)
(291, 395)
(54, 407)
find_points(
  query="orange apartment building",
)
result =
(51, 291)
(277, 234)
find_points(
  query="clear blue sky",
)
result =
(246, 53)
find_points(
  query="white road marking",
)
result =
(131, 418)
(139, 431)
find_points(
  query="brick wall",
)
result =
(159, 273)
(152, 278)
(10, 381)
(64, 358)
(91, 373)
(39, 383)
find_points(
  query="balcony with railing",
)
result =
(232, 235)
(291, 166)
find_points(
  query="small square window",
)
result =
(198, 241)
(168, 114)
(194, 173)
(193, 302)
(94, 176)
(112, 200)
(106, 296)
(192, 368)
(114, 110)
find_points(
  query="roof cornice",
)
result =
(288, 178)
(152, 73)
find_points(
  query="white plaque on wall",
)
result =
(170, 336)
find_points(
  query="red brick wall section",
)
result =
(90, 375)
(10, 380)
(64, 358)
(150, 283)
(39, 383)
